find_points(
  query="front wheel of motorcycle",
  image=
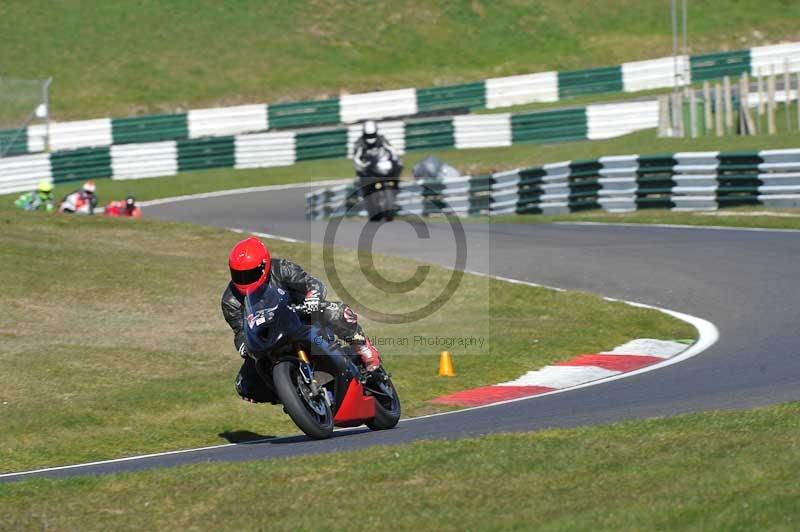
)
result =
(387, 402)
(311, 414)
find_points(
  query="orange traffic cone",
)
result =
(446, 365)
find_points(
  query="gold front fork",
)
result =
(315, 387)
(302, 355)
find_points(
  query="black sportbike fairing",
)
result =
(274, 331)
(379, 184)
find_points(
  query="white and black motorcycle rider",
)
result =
(378, 168)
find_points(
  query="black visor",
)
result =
(245, 277)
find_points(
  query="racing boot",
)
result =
(369, 355)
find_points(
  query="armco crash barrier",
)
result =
(282, 148)
(492, 93)
(679, 181)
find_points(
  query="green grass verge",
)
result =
(114, 344)
(751, 216)
(170, 56)
(709, 471)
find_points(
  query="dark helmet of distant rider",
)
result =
(249, 262)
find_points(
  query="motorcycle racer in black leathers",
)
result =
(251, 266)
(368, 144)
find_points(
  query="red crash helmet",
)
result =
(249, 262)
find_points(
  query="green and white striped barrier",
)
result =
(283, 148)
(686, 181)
(18, 174)
(492, 93)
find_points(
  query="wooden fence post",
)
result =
(677, 108)
(748, 126)
(664, 125)
(760, 99)
(787, 93)
(726, 83)
(797, 99)
(771, 101)
(707, 106)
(674, 114)
(718, 108)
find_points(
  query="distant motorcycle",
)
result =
(320, 383)
(379, 185)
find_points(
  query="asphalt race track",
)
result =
(745, 282)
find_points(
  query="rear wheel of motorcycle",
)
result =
(391, 193)
(312, 415)
(387, 204)
(387, 406)
(371, 204)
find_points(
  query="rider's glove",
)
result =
(369, 355)
(243, 350)
(312, 301)
(359, 163)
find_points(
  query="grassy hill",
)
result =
(120, 58)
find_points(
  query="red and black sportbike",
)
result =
(320, 382)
